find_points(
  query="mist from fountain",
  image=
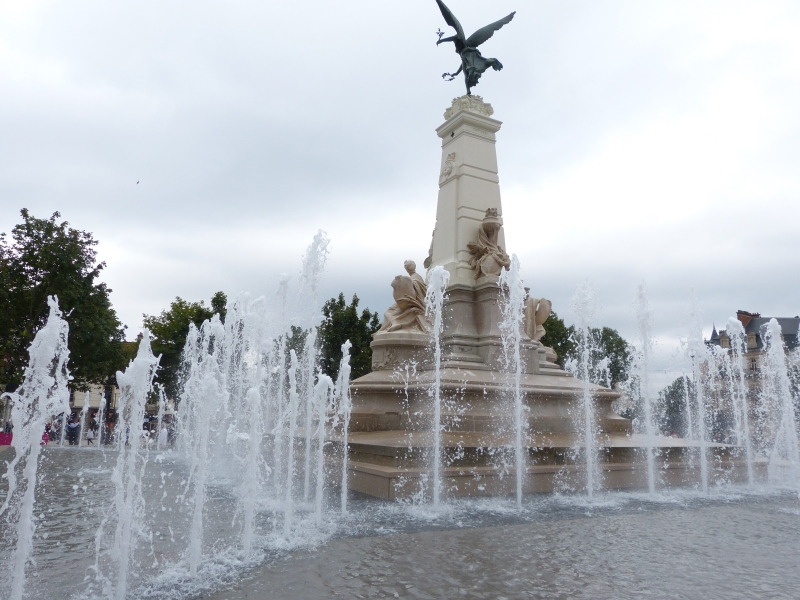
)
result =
(438, 278)
(43, 392)
(512, 307)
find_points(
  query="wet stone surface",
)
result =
(627, 548)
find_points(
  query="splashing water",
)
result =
(512, 307)
(43, 393)
(438, 278)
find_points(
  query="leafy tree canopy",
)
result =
(559, 337)
(343, 322)
(168, 334)
(44, 258)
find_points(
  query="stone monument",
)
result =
(391, 432)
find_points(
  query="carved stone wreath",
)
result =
(447, 169)
(470, 103)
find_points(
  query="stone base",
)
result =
(394, 465)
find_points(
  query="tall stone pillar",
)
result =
(468, 185)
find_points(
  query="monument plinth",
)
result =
(391, 437)
(468, 186)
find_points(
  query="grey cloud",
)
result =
(251, 125)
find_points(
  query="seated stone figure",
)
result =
(487, 257)
(536, 312)
(408, 311)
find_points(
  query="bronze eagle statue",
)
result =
(472, 63)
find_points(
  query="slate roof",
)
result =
(789, 326)
(755, 323)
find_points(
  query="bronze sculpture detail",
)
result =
(472, 63)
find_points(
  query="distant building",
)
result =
(753, 323)
(754, 358)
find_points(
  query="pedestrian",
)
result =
(90, 437)
(74, 432)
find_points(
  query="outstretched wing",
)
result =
(484, 33)
(451, 20)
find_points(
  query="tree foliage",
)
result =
(44, 258)
(671, 407)
(168, 335)
(605, 341)
(559, 337)
(343, 322)
(610, 345)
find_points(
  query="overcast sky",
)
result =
(641, 141)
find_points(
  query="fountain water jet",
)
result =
(43, 393)
(135, 384)
(309, 367)
(438, 278)
(345, 408)
(511, 327)
(739, 392)
(701, 370)
(323, 396)
(203, 394)
(583, 305)
(294, 400)
(84, 410)
(644, 317)
(776, 397)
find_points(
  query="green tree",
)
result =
(612, 346)
(607, 344)
(559, 337)
(168, 335)
(342, 322)
(44, 258)
(671, 407)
